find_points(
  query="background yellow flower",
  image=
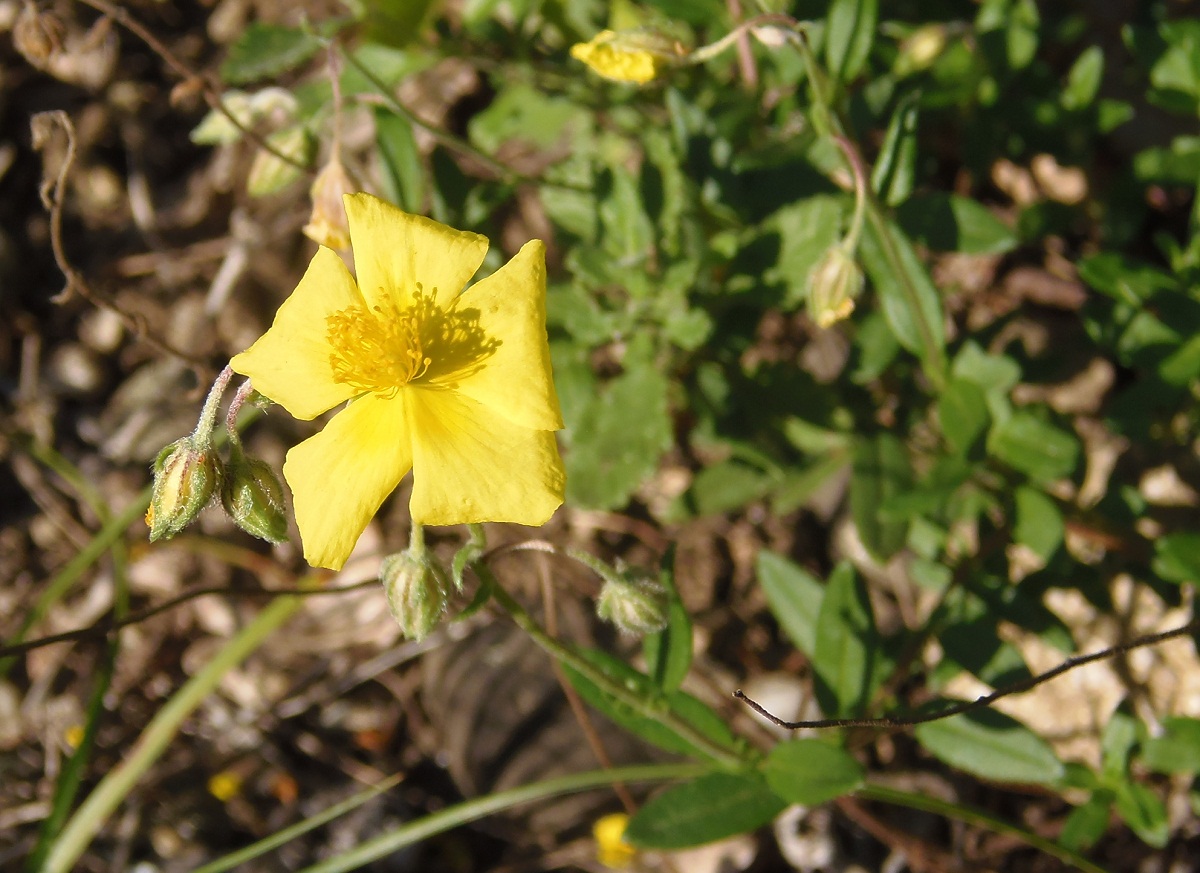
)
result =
(454, 385)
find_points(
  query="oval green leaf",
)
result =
(811, 771)
(992, 745)
(704, 810)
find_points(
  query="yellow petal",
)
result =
(469, 465)
(340, 476)
(290, 362)
(394, 251)
(516, 380)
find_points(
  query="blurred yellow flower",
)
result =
(633, 56)
(611, 849)
(454, 385)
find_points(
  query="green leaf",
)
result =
(810, 771)
(794, 596)
(1087, 823)
(704, 810)
(395, 22)
(806, 230)
(1177, 749)
(653, 730)
(849, 33)
(1084, 79)
(628, 231)
(668, 653)
(1021, 34)
(1040, 450)
(963, 414)
(910, 303)
(848, 657)
(991, 745)
(1182, 367)
(994, 373)
(524, 113)
(727, 485)
(1124, 279)
(1116, 745)
(403, 173)
(264, 51)
(950, 223)
(618, 438)
(895, 168)
(881, 471)
(1144, 812)
(1039, 523)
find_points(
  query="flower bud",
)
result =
(634, 602)
(920, 50)
(185, 477)
(253, 496)
(328, 225)
(633, 56)
(832, 286)
(417, 592)
(270, 173)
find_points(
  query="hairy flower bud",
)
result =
(634, 602)
(253, 496)
(186, 475)
(417, 590)
(832, 286)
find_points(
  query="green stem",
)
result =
(977, 817)
(208, 415)
(572, 659)
(416, 541)
(472, 810)
(708, 52)
(115, 786)
(279, 838)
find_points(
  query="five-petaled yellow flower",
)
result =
(454, 385)
(633, 56)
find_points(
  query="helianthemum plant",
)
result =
(455, 385)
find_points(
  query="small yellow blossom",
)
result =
(225, 786)
(633, 56)
(611, 849)
(454, 385)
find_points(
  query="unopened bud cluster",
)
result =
(190, 473)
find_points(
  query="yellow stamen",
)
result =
(377, 351)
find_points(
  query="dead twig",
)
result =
(42, 127)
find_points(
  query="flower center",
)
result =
(382, 349)
(377, 351)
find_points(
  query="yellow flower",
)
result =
(611, 849)
(633, 56)
(455, 386)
